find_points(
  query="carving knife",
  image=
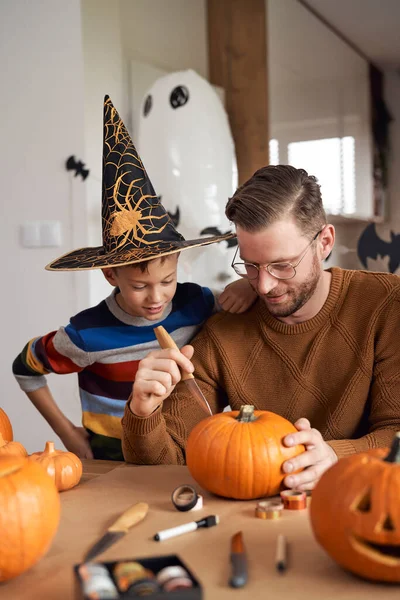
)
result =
(128, 519)
(166, 341)
(238, 561)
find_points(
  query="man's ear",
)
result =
(109, 274)
(327, 240)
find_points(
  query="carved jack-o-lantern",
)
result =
(355, 513)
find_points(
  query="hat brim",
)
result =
(85, 259)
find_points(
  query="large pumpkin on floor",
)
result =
(240, 454)
(29, 515)
(355, 513)
(5, 426)
(65, 468)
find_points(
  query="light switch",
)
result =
(50, 233)
(30, 234)
(40, 234)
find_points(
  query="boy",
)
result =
(104, 344)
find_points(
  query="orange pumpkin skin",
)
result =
(11, 448)
(29, 515)
(65, 468)
(240, 460)
(5, 426)
(355, 514)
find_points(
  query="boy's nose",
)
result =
(155, 295)
(266, 282)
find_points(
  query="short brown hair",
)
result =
(276, 192)
(144, 264)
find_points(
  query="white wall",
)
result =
(104, 74)
(42, 124)
(169, 34)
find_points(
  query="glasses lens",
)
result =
(282, 270)
(246, 270)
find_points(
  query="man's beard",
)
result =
(296, 297)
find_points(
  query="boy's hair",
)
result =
(274, 193)
(144, 265)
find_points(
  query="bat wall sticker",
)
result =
(370, 245)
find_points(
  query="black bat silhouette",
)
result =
(215, 231)
(73, 165)
(370, 245)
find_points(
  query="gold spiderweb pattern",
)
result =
(132, 214)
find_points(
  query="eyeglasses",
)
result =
(280, 270)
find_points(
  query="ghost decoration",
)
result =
(185, 143)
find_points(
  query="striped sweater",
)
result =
(104, 345)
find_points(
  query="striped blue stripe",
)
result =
(101, 405)
(189, 311)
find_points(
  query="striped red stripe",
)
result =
(123, 371)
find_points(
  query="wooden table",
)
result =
(109, 488)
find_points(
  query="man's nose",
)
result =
(266, 282)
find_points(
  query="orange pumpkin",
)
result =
(355, 513)
(240, 454)
(5, 427)
(11, 448)
(29, 515)
(65, 468)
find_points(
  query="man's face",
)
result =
(282, 242)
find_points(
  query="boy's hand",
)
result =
(76, 440)
(157, 376)
(237, 297)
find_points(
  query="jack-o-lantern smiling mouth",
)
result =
(383, 553)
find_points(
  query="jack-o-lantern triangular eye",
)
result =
(363, 503)
(388, 524)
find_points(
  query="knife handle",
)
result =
(166, 341)
(130, 517)
(239, 570)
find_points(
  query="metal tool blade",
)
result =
(196, 392)
(104, 542)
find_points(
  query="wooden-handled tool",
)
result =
(119, 528)
(166, 341)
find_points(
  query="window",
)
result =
(332, 161)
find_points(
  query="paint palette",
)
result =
(156, 578)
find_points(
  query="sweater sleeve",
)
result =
(384, 395)
(161, 437)
(59, 352)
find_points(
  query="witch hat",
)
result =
(136, 227)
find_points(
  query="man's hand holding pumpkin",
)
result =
(316, 459)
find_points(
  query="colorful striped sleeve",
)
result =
(55, 352)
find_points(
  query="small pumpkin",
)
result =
(355, 513)
(6, 427)
(29, 515)
(239, 454)
(65, 468)
(11, 448)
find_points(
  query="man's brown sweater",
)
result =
(340, 370)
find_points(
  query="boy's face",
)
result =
(145, 294)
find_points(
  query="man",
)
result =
(320, 347)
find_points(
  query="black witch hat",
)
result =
(136, 227)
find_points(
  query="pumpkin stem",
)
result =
(49, 449)
(394, 454)
(246, 414)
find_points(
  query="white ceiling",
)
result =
(371, 25)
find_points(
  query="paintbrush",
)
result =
(281, 553)
(130, 517)
(238, 561)
(186, 528)
(166, 341)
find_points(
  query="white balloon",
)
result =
(185, 143)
